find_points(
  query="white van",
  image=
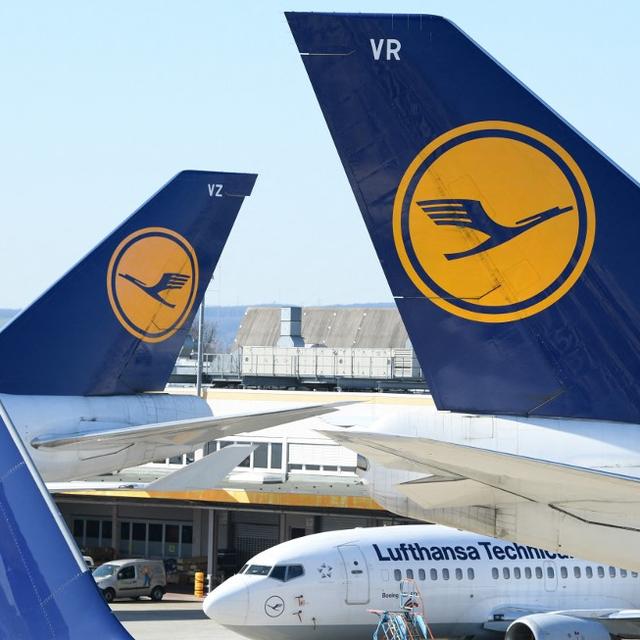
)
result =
(131, 579)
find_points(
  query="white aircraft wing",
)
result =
(178, 432)
(531, 501)
(201, 475)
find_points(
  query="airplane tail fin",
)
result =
(482, 204)
(115, 323)
(46, 590)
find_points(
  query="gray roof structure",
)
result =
(335, 327)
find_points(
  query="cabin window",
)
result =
(433, 574)
(506, 573)
(421, 575)
(564, 573)
(445, 574)
(612, 572)
(397, 575)
(589, 572)
(471, 574)
(600, 572)
(550, 572)
(495, 574)
(409, 574)
(527, 573)
(458, 574)
(517, 573)
(634, 574)
(538, 572)
(623, 573)
(576, 572)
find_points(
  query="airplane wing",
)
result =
(201, 475)
(532, 501)
(179, 432)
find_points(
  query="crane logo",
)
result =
(152, 282)
(493, 221)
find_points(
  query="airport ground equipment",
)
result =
(407, 623)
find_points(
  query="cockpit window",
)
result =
(258, 570)
(279, 572)
(284, 572)
(243, 568)
(295, 571)
(362, 463)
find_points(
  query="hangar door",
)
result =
(357, 574)
(250, 539)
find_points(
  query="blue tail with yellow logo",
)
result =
(46, 591)
(115, 323)
(508, 240)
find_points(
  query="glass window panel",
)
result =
(260, 456)
(563, 572)
(577, 573)
(612, 572)
(397, 575)
(495, 574)
(78, 530)
(538, 572)
(421, 574)
(279, 572)
(92, 533)
(139, 538)
(106, 533)
(589, 572)
(410, 574)
(506, 573)
(471, 574)
(516, 573)
(276, 455)
(295, 571)
(445, 574)
(600, 572)
(527, 573)
(550, 572)
(433, 574)
(623, 573)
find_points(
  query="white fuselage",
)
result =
(465, 580)
(35, 416)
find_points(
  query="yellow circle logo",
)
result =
(152, 281)
(493, 221)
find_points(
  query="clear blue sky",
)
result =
(103, 102)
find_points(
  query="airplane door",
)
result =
(357, 574)
(550, 576)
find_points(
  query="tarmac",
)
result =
(177, 617)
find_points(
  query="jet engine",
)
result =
(555, 626)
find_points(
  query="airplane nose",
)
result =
(228, 604)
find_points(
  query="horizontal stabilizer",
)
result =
(506, 477)
(181, 432)
(206, 473)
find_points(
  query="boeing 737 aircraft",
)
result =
(325, 585)
(509, 243)
(108, 333)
